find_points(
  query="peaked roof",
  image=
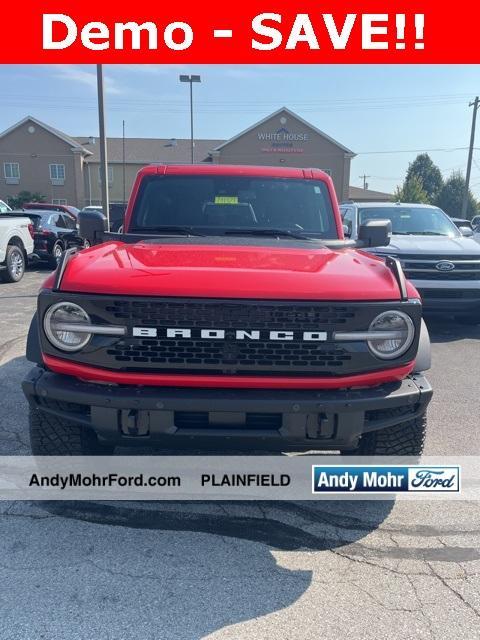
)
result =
(290, 113)
(148, 150)
(359, 193)
(59, 134)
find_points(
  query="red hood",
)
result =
(230, 272)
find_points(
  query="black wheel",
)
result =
(86, 244)
(57, 253)
(14, 263)
(52, 436)
(468, 320)
(406, 439)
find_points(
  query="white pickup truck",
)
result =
(16, 245)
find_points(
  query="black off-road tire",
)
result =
(15, 263)
(53, 436)
(405, 439)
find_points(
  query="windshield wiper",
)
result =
(426, 233)
(167, 229)
(274, 233)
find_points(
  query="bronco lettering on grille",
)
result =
(229, 334)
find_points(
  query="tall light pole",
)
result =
(103, 145)
(123, 162)
(191, 80)
(475, 104)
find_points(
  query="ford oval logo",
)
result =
(445, 265)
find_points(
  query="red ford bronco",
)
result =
(230, 312)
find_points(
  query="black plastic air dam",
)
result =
(227, 418)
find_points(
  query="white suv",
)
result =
(4, 208)
(16, 245)
(441, 262)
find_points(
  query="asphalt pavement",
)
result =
(183, 571)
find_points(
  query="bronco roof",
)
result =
(233, 170)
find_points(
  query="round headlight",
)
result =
(395, 334)
(63, 326)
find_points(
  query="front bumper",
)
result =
(461, 297)
(227, 418)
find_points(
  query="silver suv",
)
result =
(441, 262)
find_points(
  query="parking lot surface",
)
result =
(184, 571)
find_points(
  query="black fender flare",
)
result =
(34, 351)
(423, 361)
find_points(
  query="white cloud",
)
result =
(81, 75)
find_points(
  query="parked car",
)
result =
(231, 313)
(16, 245)
(4, 208)
(476, 223)
(92, 207)
(53, 233)
(464, 225)
(47, 206)
(116, 214)
(443, 264)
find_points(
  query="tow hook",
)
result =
(134, 422)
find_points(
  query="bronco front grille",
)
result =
(262, 356)
(233, 315)
(245, 357)
(192, 354)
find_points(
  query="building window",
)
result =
(110, 175)
(57, 174)
(11, 171)
(59, 201)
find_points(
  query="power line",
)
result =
(170, 107)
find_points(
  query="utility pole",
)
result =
(123, 160)
(364, 178)
(103, 144)
(475, 104)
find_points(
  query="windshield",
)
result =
(216, 204)
(412, 220)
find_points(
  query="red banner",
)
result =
(255, 31)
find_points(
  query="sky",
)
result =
(384, 113)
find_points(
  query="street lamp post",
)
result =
(103, 144)
(191, 80)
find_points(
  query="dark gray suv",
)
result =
(441, 262)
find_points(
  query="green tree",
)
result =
(411, 191)
(450, 197)
(429, 174)
(17, 202)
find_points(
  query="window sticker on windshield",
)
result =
(226, 199)
(317, 189)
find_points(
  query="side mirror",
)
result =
(92, 225)
(375, 233)
(346, 231)
(466, 231)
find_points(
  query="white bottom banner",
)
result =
(277, 477)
